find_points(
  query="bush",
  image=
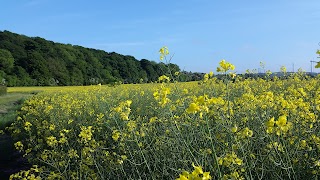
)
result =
(3, 90)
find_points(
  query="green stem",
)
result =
(214, 150)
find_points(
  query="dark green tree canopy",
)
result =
(30, 61)
(6, 60)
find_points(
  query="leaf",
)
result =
(318, 65)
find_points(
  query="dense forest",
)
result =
(34, 61)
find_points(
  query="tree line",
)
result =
(34, 61)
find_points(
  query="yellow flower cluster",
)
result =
(230, 159)
(196, 174)
(202, 104)
(18, 145)
(283, 69)
(282, 126)
(225, 66)
(115, 135)
(27, 126)
(163, 52)
(52, 141)
(245, 133)
(207, 76)
(31, 174)
(161, 95)
(86, 133)
(72, 153)
(124, 109)
(164, 78)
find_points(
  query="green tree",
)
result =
(2, 77)
(26, 61)
(6, 60)
(149, 66)
(23, 76)
(76, 77)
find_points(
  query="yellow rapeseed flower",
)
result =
(163, 52)
(52, 127)
(27, 126)
(196, 174)
(163, 78)
(86, 133)
(193, 108)
(282, 121)
(270, 123)
(283, 69)
(52, 141)
(234, 129)
(210, 74)
(18, 145)
(115, 135)
(225, 66)
(73, 153)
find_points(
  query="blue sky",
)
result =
(198, 32)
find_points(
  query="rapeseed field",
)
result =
(229, 128)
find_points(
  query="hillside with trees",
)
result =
(34, 61)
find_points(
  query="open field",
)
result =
(240, 129)
(10, 160)
(37, 89)
(9, 103)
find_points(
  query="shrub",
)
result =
(3, 90)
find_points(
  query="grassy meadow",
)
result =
(231, 128)
(9, 104)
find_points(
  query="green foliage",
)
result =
(3, 90)
(34, 61)
(6, 60)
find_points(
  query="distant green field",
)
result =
(36, 89)
(9, 103)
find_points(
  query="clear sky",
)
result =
(198, 32)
